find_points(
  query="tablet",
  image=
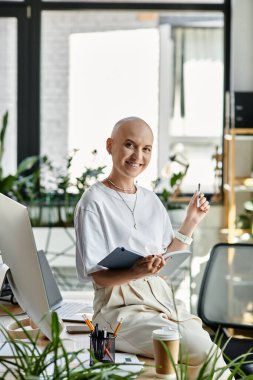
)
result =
(122, 258)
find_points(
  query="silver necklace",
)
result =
(131, 210)
(117, 187)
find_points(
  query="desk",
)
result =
(74, 341)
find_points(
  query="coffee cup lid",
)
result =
(166, 333)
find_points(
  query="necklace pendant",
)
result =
(135, 226)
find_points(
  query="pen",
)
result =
(114, 335)
(118, 327)
(198, 199)
(88, 322)
(107, 351)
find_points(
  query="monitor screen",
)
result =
(54, 296)
(19, 252)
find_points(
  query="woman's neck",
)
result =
(120, 185)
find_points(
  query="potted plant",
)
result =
(54, 362)
(12, 184)
(67, 191)
(48, 191)
(36, 360)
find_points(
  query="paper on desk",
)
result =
(128, 359)
(122, 357)
(125, 358)
(7, 349)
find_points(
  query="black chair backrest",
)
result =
(226, 294)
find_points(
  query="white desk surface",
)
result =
(73, 341)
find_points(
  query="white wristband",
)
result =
(183, 238)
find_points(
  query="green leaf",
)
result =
(165, 195)
(175, 178)
(2, 135)
(243, 221)
(7, 183)
(4, 126)
(27, 164)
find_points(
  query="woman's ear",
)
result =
(109, 145)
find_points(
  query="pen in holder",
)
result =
(102, 347)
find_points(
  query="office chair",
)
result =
(226, 298)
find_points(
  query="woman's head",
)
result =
(130, 146)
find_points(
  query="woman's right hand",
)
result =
(147, 265)
(143, 267)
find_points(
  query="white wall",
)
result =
(242, 46)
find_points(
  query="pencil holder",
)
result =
(102, 348)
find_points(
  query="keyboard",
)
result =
(71, 311)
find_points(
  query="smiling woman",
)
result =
(130, 149)
(119, 213)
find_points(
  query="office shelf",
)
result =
(238, 232)
(233, 184)
(246, 132)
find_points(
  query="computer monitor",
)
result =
(18, 250)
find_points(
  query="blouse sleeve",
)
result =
(91, 244)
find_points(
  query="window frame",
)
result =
(28, 14)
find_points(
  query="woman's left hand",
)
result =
(196, 213)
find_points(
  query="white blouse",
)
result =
(103, 222)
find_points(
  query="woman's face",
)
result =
(131, 148)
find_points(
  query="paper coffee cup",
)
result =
(163, 361)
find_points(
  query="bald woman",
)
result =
(118, 212)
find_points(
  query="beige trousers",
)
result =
(146, 305)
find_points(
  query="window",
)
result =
(105, 66)
(165, 67)
(113, 74)
(195, 123)
(8, 85)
